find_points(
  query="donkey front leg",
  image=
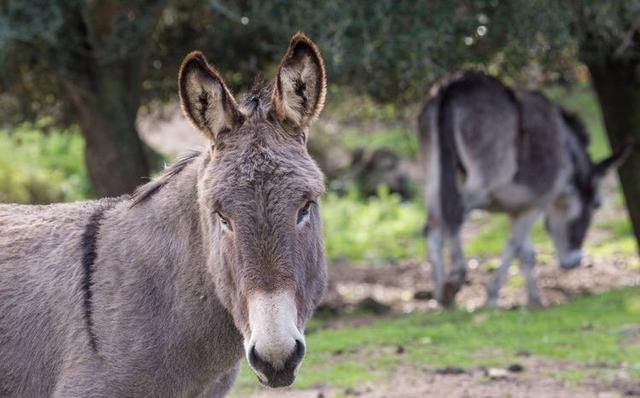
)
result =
(435, 245)
(520, 226)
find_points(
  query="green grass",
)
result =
(620, 239)
(39, 167)
(586, 330)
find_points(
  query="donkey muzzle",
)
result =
(269, 375)
(571, 260)
(276, 346)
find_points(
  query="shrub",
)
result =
(376, 229)
(39, 167)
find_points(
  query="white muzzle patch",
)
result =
(273, 324)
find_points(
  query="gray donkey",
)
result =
(485, 146)
(160, 294)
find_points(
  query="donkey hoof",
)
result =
(449, 293)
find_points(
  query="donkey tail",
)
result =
(451, 204)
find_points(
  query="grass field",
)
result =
(601, 329)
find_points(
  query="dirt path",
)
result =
(538, 378)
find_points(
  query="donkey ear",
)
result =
(614, 161)
(204, 97)
(300, 89)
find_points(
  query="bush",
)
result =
(377, 229)
(39, 167)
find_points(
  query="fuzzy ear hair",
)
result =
(614, 161)
(300, 88)
(204, 98)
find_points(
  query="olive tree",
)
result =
(87, 58)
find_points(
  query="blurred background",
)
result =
(89, 108)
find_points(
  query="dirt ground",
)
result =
(407, 287)
(535, 380)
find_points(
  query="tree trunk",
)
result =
(617, 85)
(114, 154)
(102, 73)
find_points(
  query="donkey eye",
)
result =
(304, 211)
(224, 220)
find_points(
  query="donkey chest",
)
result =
(174, 353)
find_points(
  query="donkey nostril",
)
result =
(281, 376)
(298, 353)
(252, 355)
(255, 360)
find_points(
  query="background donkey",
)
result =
(156, 294)
(485, 147)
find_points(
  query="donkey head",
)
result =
(569, 216)
(259, 198)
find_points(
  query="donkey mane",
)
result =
(147, 190)
(579, 155)
(257, 101)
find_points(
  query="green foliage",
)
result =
(38, 167)
(607, 30)
(587, 330)
(403, 142)
(582, 100)
(389, 50)
(376, 229)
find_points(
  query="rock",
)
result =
(515, 368)
(423, 295)
(496, 373)
(450, 370)
(632, 392)
(352, 392)
(372, 305)
(328, 310)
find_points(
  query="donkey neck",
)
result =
(151, 263)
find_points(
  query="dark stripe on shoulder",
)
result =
(89, 256)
